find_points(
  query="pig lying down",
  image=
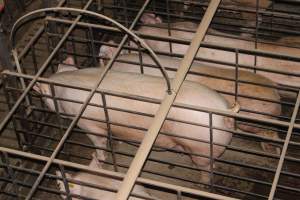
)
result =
(248, 90)
(220, 39)
(192, 94)
(104, 182)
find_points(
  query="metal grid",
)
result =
(69, 34)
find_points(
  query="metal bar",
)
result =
(284, 149)
(65, 181)
(116, 175)
(150, 137)
(19, 70)
(5, 61)
(46, 167)
(211, 153)
(108, 125)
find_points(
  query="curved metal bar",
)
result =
(120, 26)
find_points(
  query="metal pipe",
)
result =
(152, 133)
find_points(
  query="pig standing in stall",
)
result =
(220, 39)
(191, 93)
(104, 182)
(244, 89)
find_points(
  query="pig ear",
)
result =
(158, 20)
(95, 162)
(69, 61)
(150, 18)
(37, 87)
(64, 68)
(106, 52)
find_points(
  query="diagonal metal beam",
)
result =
(284, 149)
(151, 135)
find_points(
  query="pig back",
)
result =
(191, 93)
(136, 84)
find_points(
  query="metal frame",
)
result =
(146, 145)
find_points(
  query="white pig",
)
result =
(219, 39)
(101, 181)
(191, 93)
(249, 90)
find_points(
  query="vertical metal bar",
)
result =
(110, 138)
(5, 61)
(64, 179)
(256, 32)
(211, 155)
(46, 167)
(284, 148)
(179, 195)
(236, 85)
(19, 70)
(57, 112)
(74, 49)
(91, 36)
(141, 59)
(150, 137)
(100, 6)
(124, 2)
(33, 56)
(272, 17)
(169, 25)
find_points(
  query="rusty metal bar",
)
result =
(152, 133)
(284, 149)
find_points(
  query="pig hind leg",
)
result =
(98, 141)
(202, 163)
